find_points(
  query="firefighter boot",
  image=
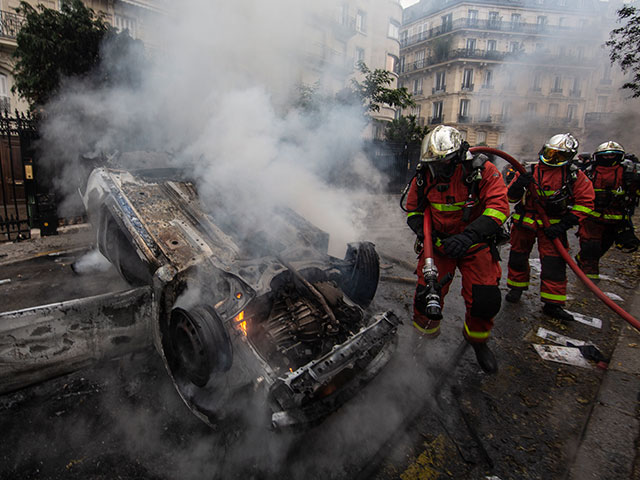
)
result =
(556, 311)
(485, 357)
(513, 295)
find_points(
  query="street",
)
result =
(123, 419)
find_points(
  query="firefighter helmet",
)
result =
(559, 150)
(441, 144)
(609, 154)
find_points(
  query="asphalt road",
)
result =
(123, 419)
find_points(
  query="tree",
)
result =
(624, 45)
(374, 90)
(53, 45)
(405, 130)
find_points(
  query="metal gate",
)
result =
(18, 198)
(396, 160)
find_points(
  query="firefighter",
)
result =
(615, 183)
(566, 195)
(466, 199)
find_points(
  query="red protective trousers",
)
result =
(553, 275)
(480, 278)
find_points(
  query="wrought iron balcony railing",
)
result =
(10, 24)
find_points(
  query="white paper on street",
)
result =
(614, 297)
(566, 355)
(591, 321)
(559, 339)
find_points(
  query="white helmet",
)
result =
(559, 149)
(441, 144)
(609, 154)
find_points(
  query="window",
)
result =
(542, 21)
(514, 47)
(419, 58)
(402, 60)
(437, 111)
(539, 47)
(343, 14)
(417, 86)
(464, 107)
(473, 17)
(516, 20)
(553, 110)
(494, 19)
(571, 111)
(392, 63)
(415, 111)
(467, 79)
(359, 55)
(561, 22)
(488, 79)
(580, 53)
(463, 134)
(562, 3)
(531, 109)
(404, 37)
(506, 111)
(361, 22)
(481, 138)
(5, 103)
(557, 84)
(471, 44)
(602, 104)
(537, 81)
(447, 22)
(485, 110)
(510, 84)
(440, 85)
(492, 45)
(394, 29)
(122, 23)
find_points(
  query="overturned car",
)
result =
(242, 310)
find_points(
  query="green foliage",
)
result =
(374, 91)
(405, 130)
(624, 45)
(53, 45)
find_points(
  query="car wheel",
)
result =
(360, 280)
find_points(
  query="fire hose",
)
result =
(556, 241)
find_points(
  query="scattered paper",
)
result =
(614, 297)
(619, 281)
(6, 280)
(566, 355)
(534, 263)
(559, 339)
(591, 321)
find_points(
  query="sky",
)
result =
(406, 3)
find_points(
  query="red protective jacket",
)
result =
(447, 206)
(549, 180)
(612, 196)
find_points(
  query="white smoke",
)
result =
(218, 96)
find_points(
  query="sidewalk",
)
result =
(608, 448)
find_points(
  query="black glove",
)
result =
(456, 246)
(558, 229)
(416, 223)
(516, 189)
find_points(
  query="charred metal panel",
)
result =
(50, 340)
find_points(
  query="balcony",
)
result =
(464, 119)
(10, 24)
(438, 89)
(467, 87)
(491, 25)
(597, 118)
(556, 91)
(487, 86)
(436, 120)
(605, 81)
(575, 93)
(417, 92)
(484, 118)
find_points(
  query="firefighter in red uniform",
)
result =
(467, 201)
(567, 198)
(615, 184)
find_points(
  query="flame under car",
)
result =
(241, 310)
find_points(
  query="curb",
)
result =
(608, 447)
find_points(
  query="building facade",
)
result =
(510, 73)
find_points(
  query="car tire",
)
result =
(360, 280)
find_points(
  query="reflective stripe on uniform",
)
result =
(446, 207)
(517, 284)
(426, 331)
(492, 212)
(517, 216)
(478, 335)
(608, 216)
(580, 208)
(593, 276)
(614, 192)
(545, 193)
(411, 214)
(551, 296)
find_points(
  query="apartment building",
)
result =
(133, 15)
(508, 73)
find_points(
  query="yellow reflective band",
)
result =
(517, 284)
(580, 208)
(607, 216)
(594, 276)
(545, 193)
(479, 335)
(445, 207)
(517, 216)
(550, 296)
(427, 331)
(491, 212)
(551, 221)
(438, 242)
(614, 192)
(594, 213)
(411, 214)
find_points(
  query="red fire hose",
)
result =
(556, 241)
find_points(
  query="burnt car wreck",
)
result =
(239, 309)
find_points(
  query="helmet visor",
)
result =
(609, 158)
(555, 157)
